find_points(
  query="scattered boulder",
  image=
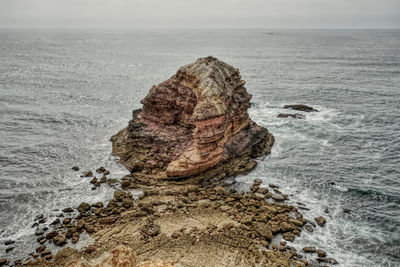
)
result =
(75, 168)
(67, 210)
(278, 197)
(83, 207)
(309, 249)
(52, 234)
(60, 240)
(320, 221)
(9, 242)
(288, 115)
(300, 107)
(288, 236)
(8, 249)
(321, 253)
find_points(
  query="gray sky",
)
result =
(200, 13)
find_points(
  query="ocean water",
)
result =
(63, 93)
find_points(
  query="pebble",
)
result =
(278, 197)
(257, 181)
(52, 234)
(83, 207)
(309, 249)
(8, 249)
(321, 253)
(87, 174)
(273, 186)
(75, 168)
(40, 248)
(9, 242)
(320, 221)
(288, 236)
(69, 209)
(60, 240)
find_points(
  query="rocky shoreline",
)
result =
(193, 131)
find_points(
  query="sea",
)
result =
(65, 92)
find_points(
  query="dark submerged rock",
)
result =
(294, 116)
(300, 107)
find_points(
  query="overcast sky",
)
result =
(200, 13)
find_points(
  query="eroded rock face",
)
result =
(192, 122)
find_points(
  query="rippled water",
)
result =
(63, 93)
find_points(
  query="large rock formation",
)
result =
(192, 122)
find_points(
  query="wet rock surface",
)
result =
(184, 222)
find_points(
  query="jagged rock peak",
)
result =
(195, 120)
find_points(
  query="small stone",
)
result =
(75, 168)
(348, 211)
(40, 248)
(309, 228)
(309, 249)
(3, 261)
(45, 253)
(100, 170)
(9, 242)
(320, 221)
(74, 239)
(52, 234)
(68, 210)
(278, 197)
(83, 207)
(288, 236)
(8, 249)
(87, 174)
(125, 183)
(41, 239)
(39, 232)
(273, 186)
(67, 220)
(286, 227)
(119, 195)
(98, 205)
(321, 253)
(259, 196)
(60, 240)
(257, 181)
(38, 217)
(94, 180)
(262, 190)
(89, 229)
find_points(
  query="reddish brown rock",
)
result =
(192, 122)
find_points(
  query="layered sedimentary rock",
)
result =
(192, 122)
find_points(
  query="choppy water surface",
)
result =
(63, 93)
